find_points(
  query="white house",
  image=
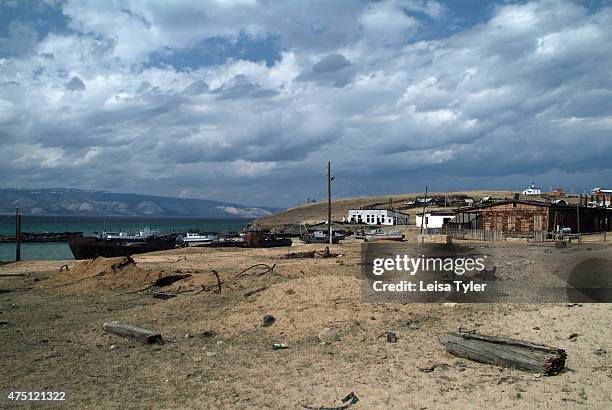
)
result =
(434, 219)
(376, 217)
(532, 190)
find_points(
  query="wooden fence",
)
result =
(492, 235)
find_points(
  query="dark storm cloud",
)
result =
(75, 84)
(333, 69)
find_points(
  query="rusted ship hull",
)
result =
(89, 247)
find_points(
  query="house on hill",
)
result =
(532, 190)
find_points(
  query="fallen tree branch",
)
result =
(268, 269)
(252, 292)
(347, 402)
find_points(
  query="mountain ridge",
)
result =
(71, 201)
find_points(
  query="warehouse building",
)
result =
(523, 217)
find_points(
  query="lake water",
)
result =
(90, 224)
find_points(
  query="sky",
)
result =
(246, 100)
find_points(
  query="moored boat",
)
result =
(196, 239)
(113, 244)
(380, 235)
(321, 237)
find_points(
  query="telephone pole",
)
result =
(17, 235)
(329, 217)
(423, 215)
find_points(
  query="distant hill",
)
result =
(82, 202)
(316, 213)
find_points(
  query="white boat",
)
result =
(195, 239)
(380, 235)
(143, 234)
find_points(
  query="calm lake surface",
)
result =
(90, 224)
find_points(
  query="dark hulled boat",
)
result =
(113, 245)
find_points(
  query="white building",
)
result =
(376, 217)
(532, 190)
(434, 219)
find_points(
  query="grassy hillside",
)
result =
(315, 213)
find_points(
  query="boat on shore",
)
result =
(321, 237)
(196, 239)
(251, 239)
(380, 235)
(113, 244)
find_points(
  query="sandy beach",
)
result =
(217, 354)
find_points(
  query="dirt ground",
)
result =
(217, 354)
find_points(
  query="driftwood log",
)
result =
(144, 335)
(500, 351)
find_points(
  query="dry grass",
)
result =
(53, 339)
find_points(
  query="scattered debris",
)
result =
(500, 351)
(328, 335)
(311, 254)
(573, 337)
(64, 266)
(347, 402)
(254, 291)
(207, 334)
(414, 324)
(268, 320)
(218, 281)
(144, 335)
(163, 295)
(163, 282)
(601, 351)
(279, 346)
(169, 280)
(268, 269)
(391, 336)
(433, 367)
(15, 290)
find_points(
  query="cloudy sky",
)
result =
(247, 100)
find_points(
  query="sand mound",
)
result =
(115, 274)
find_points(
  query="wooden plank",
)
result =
(500, 351)
(144, 335)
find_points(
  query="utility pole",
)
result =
(17, 235)
(329, 217)
(578, 220)
(424, 205)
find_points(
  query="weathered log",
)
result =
(144, 335)
(500, 351)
